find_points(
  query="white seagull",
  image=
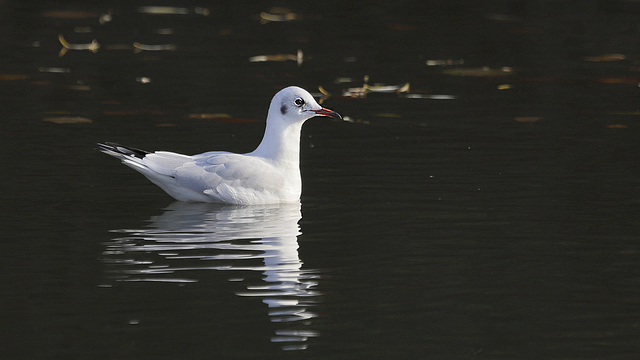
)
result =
(269, 174)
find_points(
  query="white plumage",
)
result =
(269, 174)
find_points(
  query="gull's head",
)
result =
(294, 104)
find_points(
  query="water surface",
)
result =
(489, 210)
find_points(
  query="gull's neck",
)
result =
(281, 142)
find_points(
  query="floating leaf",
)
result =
(480, 72)
(79, 87)
(55, 70)
(163, 10)
(12, 77)
(504, 87)
(93, 46)
(298, 57)
(278, 14)
(171, 10)
(605, 58)
(388, 115)
(432, 97)
(447, 62)
(144, 47)
(209, 116)
(68, 120)
(617, 126)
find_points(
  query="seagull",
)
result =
(270, 174)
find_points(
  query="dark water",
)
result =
(490, 212)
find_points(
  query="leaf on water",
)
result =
(298, 57)
(426, 96)
(55, 70)
(144, 47)
(278, 14)
(389, 115)
(12, 77)
(209, 116)
(605, 58)
(163, 10)
(528, 119)
(617, 126)
(446, 62)
(93, 46)
(356, 121)
(79, 87)
(480, 72)
(68, 120)
(504, 87)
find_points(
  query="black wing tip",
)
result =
(121, 149)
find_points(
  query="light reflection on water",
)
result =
(186, 239)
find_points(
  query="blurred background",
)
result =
(480, 200)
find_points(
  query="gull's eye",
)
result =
(298, 102)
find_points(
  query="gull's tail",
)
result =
(121, 152)
(159, 167)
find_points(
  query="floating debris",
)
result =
(278, 14)
(298, 57)
(68, 120)
(79, 87)
(138, 47)
(105, 18)
(93, 46)
(447, 62)
(164, 31)
(480, 72)
(163, 10)
(504, 87)
(172, 10)
(13, 77)
(605, 58)
(55, 70)
(355, 121)
(426, 96)
(617, 126)
(143, 80)
(342, 80)
(361, 92)
(209, 116)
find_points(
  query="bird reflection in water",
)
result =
(249, 238)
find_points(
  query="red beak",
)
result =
(328, 113)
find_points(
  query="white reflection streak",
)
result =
(224, 238)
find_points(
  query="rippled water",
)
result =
(481, 201)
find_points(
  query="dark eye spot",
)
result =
(299, 102)
(283, 109)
